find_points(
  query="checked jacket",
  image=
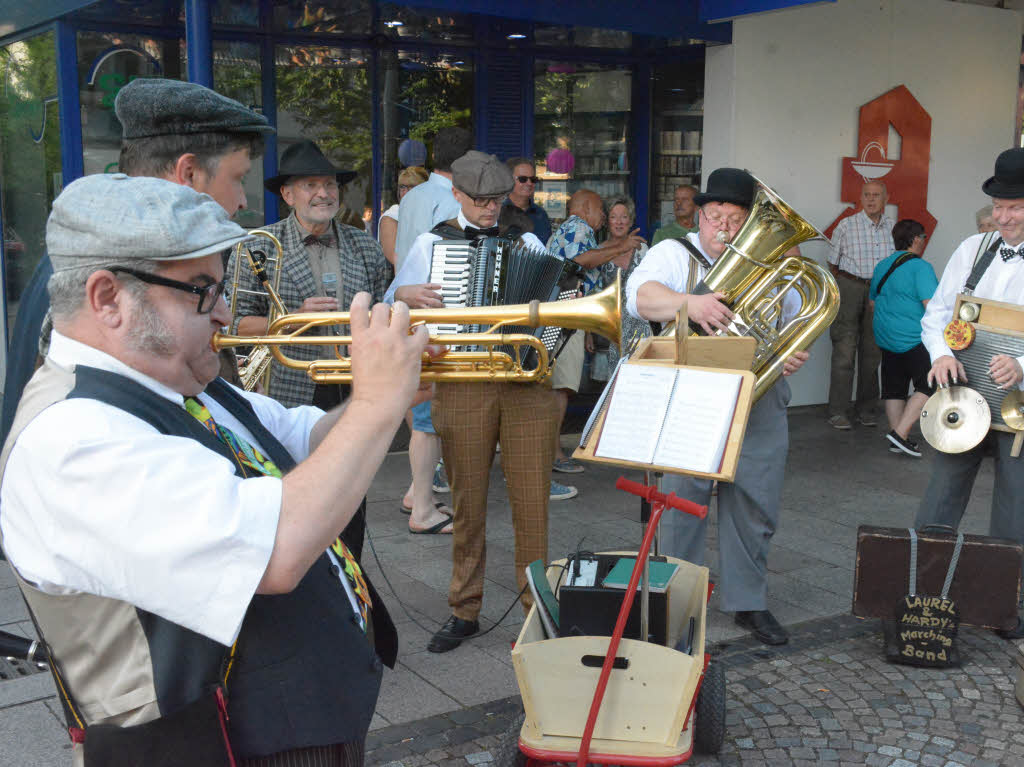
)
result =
(363, 268)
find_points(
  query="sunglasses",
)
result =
(208, 294)
(524, 179)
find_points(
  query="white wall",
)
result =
(782, 100)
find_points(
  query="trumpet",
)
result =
(598, 313)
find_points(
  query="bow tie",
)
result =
(1008, 254)
(473, 233)
(327, 240)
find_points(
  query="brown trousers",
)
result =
(470, 418)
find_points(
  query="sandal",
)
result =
(438, 529)
(440, 506)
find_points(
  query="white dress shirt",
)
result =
(1002, 281)
(669, 263)
(416, 269)
(96, 500)
(422, 208)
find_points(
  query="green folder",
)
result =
(660, 574)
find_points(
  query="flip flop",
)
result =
(440, 506)
(434, 529)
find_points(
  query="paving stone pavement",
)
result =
(825, 698)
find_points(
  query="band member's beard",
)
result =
(149, 331)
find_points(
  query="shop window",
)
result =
(236, 13)
(581, 131)
(107, 62)
(30, 162)
(582, 37)
(145, 12)
(332, 17)
(237, 75)
(677, 135)
(323, 94)
(422, 25)
(420, 94)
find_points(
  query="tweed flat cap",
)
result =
(153, 106)
(479, 174)
(109, 217)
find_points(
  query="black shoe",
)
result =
(900, 445)
(764, 627)
(1017, 632)
(451, 634)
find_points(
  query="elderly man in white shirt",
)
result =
(749, 507)
(1001, 279)
(155, 515)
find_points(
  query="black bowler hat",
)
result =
(1008, 182)
(305, 159)
(729, 185)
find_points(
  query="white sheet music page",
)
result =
(636, 413)
(699, 417)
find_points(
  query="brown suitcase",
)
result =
(985, 587)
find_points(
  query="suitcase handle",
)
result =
(937, 528)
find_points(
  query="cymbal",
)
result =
(955, 419)
(1012, 410)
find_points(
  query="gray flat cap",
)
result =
(479, 174)
(152, 106)
(110, 217)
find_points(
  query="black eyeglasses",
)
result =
(208, 294)
(524, 179)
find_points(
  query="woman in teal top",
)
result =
(901, 286)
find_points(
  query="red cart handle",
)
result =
(650, 494)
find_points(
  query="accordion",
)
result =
(494, 271)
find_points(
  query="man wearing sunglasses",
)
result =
(748, 507)
(524, 174)
(157, 516)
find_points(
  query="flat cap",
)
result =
(153, 106)
(479, 174)
(110, 217)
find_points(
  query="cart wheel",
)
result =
(709, 732)
(507, 752)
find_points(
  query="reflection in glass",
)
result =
(422, 25)
(581, 37)
(236, 74)
(581, 131)
(106, 63)
(678, 122)
(420, 94)
(148, 12)
(340, 17)
(323, 94)
(236, 13)
(30, 163)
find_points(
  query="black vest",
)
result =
(304, 673)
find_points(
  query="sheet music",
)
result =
(698, 419)
(637, 411)
(601, 403)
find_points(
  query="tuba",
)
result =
(756, 276)
(254, 367)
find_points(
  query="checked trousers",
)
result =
(470, 418)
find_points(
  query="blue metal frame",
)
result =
(198, 41)
(712, 11)
(268, 81)
(71, 162)
(640, 157)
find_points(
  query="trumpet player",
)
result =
(748, 508)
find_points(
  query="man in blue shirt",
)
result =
(524, 173)
(900, 288)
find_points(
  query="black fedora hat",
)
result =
(305, 159)
(729, 185)
(1008, 181)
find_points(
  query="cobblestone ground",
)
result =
(825, 698)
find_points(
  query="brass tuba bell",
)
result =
(755, 275)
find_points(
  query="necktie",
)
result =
(327, 240)
(473, 233)
(248, 456)
(1008, 254)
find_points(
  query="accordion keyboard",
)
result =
(450, 268)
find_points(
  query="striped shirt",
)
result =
(858, 244)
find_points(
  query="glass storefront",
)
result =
(581, 131)
(30, 162)
(237, 74)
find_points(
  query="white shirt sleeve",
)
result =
(939, 311)
(667, 263)
(157, 521)
(416, 268)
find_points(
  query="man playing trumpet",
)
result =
(748, 508)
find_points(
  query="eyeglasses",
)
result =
(524, 179)
(732, 222)
(404, 187)
(483, 202)
(922, 236)
(208, 294)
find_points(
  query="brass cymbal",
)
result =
(955, 419)
(1012, 410)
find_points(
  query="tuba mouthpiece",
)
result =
(722, 235)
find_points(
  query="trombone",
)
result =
(598, 313)
(257, 363)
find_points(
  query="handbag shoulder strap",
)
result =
(957, 547)
(896, 265)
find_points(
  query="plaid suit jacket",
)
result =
(363, 268)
